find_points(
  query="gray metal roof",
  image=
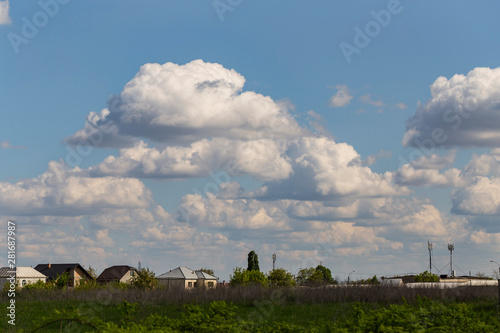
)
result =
(22, 272)
(186, 273)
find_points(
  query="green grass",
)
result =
(241, 311)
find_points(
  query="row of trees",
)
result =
(279, 277)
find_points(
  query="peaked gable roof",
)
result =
(56, 270)
(21, 272)
(114, 273)
(186, 273)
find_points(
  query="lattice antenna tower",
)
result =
(451, 247)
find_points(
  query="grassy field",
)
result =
(248, 309)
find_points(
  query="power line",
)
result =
(440, 272)
(460, 269)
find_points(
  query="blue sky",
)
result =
(334, 174)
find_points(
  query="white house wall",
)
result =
(127, 276)
(184, 284)
(31, 280)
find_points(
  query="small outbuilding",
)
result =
(119, 273)
(75, 272)
(24, 276)
(187, 278)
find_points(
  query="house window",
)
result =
(210, 285)
(131, 273)
(195, 284)
(190, 284)
(24, 283)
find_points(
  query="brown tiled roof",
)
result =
(114, 273)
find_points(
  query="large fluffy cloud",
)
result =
(425, 171)
(186, 103)
(213, 212)
(484, 165)
(324, 169)
(262, 159)
(482, 197)
(71, 192)
(464, 111)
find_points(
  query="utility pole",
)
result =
(429, 247)
(274, 260)
(498, 281)
(349, 277)
(451, 247)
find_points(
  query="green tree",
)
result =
(373, 280)
(318, 275)
(326, 273)
(62, 281)
(92, 272)
(87, 283)
(304, 274)
(144, 279)
(253, 261)
(207, 270)
(280, 277)
(242, 277)
(39, 285)
(426, 277)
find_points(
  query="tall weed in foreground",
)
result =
(423, 316)
(117, 293)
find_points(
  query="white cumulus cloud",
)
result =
(264, 159)
(71, 192)
(482, 197)
(426, 171)
(185, 103)
(341, 97)
(324, 169)
(464, 111)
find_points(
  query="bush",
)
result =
(39, 285)
(280, 277)
(144, 279)
(373, 280)
(303, 275)
(62, 280)
(426, 277)
(207, 270)
(87, 284)
(315, 276)
(242, 277)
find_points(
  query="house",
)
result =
(75, 271)
(24, 276)
(187, 278)
(120, 273)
